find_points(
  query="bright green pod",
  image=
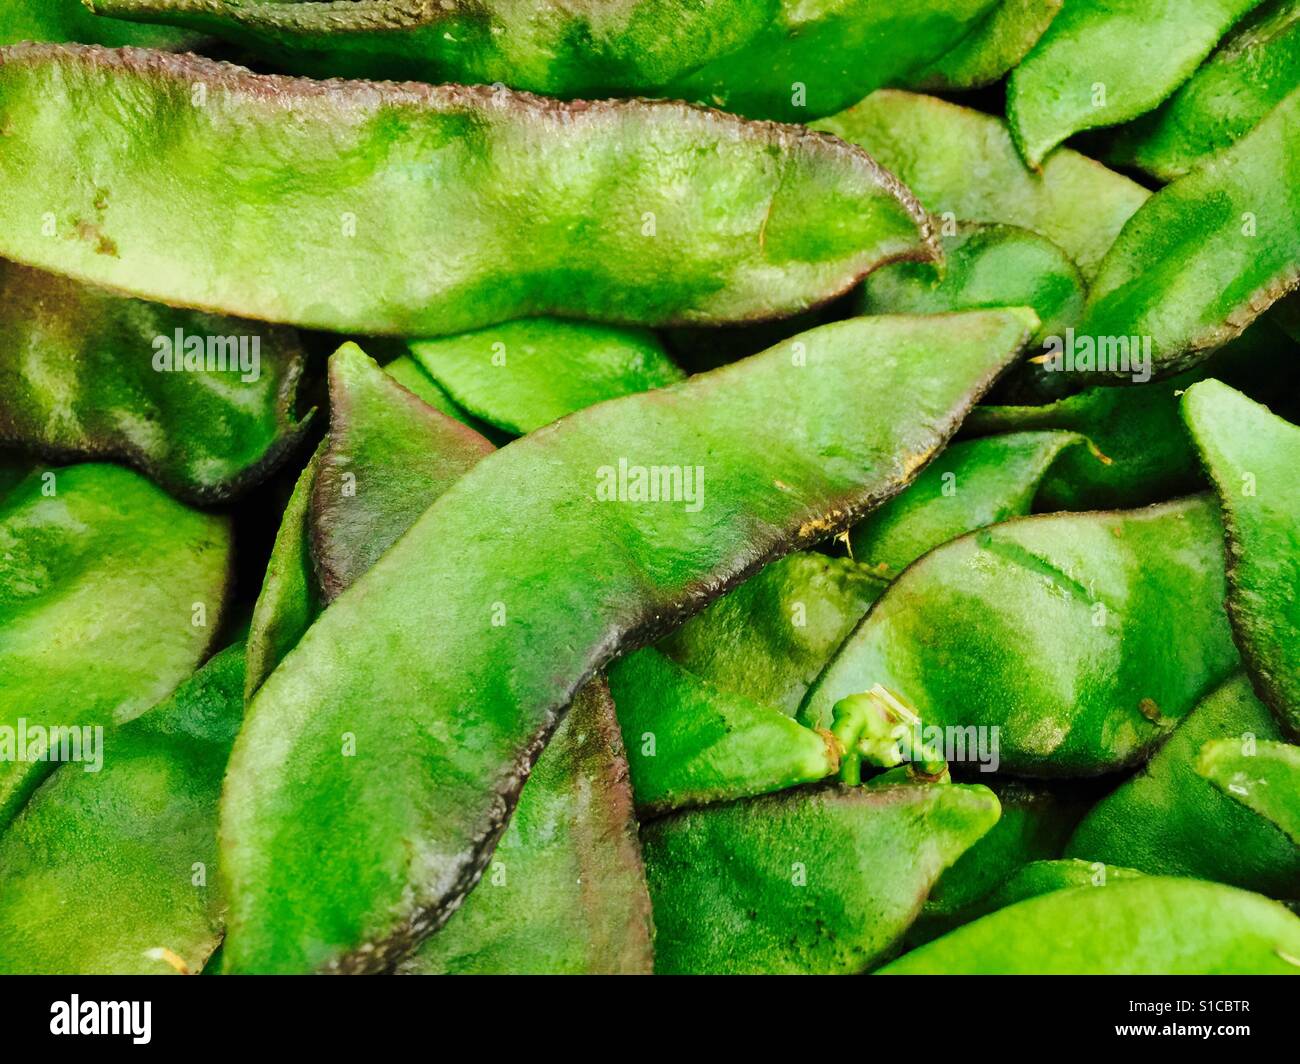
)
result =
(972, 484)
(1253, 70)
(615, 47)
(1264, 777)
(525, 374)
(1252, 456)
(1167, 820)
(110, 594)
(202, 405)
(821, 881)
(770, 638)
(693, 742)
(58, 21)
(131, 848)
(1044, 877)
(1151, 925)
(347, 863)
(963, 165)
(412, 376)
(997, 44)
(1033, 826)
(1103, 62)
(984, 266)
(566, 890)
(388, 456)
(434, 209)
(817, 57)
(1204, 257)
(959, 638)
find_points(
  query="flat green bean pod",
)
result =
(984, 266)
(131, 848)
(807, 881)
(962, 164)
(434, 209)
(769, 638)
(68, 20)
(346, 863)
(1253, 70)
(693, 742)
(125, 582)
(1103, 62)
(1044, 877)
(818, 56)
(960, 638)
(1204, 256)
(1252, 456)
(1265, 778)
(615, 47)
(972, 484)
(1167, 820)
(1151, 925)
(997, 44)
(525, 374)
(202, 405)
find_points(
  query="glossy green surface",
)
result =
(611, 47)
(388, 456)
(1266, 779)
(817, 56)
(960, 636)
(692, 742)
(984, 266)
(525, 374)
(68, 20)
(1033, 826)
(1145, 926)
(963, 165)
(1103, 62)
(110, 594)
(769, 638)
(114, 872)
(1208, 253)
(1253, 457)
(80, 377)
(1167, 820)
(807, 881)
(1044, 877)
(999, 41)
(347, 862)
(972, 484)
(290, 597)
(1254, 68)
(434, 209)
(565, 892)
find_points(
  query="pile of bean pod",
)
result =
(691, 486)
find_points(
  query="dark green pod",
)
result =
(434, 209)
(347, 863)
(68, 20)
(996, 44)
(1044, 877)
(816, 881)
(1264, 777)
(202, 405)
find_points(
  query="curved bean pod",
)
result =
(808, 881)
(203, 406)
(68, 20)
(1254, 69)
(434, 209)
(1151, 925)
(1252, 456)
(1167, 820)
(996, 45)
(1044, 877)
(1206, 254)
(959, 636)
(1266, 779)
(386, 854)
(1102, 62)
(963, 164)
(127, 582)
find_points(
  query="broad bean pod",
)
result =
(997, 44)
(1264, 777)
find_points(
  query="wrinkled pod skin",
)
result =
(434, 209)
